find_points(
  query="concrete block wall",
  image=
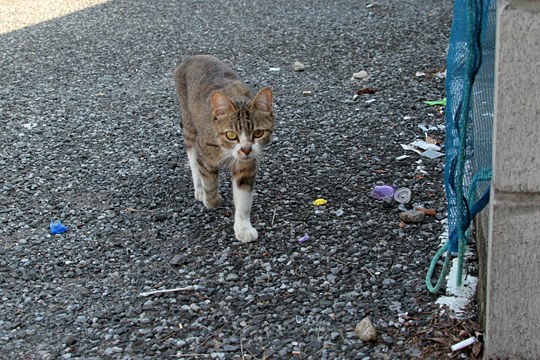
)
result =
(512, 323)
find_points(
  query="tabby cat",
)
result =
(223, 125)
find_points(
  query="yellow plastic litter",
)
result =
(319, 202)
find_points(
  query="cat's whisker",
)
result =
(227, 161)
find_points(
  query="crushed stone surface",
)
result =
(89, 134)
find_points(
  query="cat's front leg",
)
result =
(242, 212)
(243, 181)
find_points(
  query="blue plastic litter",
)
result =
(469, 124)
(57, 227)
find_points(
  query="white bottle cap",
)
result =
(402, 195)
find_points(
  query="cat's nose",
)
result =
(246, 150)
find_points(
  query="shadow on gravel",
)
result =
(89, 134)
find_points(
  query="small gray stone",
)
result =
(366, 331)
(298, 66)
(360, 75)
(161, 217)
(45, 355)
(178, 260)
(112, 350)
(69, 340)
(230, 348)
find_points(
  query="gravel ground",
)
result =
(90, 135)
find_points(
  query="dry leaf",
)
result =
(431, 140)
(430, 212)
(366, 91)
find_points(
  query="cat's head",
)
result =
(243, 129)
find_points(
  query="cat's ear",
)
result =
(221, 105)
(263, 100)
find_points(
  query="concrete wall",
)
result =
(481, 230)
(513, 269)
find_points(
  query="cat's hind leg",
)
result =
(210, 185)
(195, 173)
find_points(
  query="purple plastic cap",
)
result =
(383, 192)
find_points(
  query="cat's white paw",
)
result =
(246, 233)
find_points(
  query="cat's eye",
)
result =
(231, 135)
(258, 133)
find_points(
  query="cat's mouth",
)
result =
(243, 157)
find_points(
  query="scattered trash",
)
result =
(402, 207)
(274, 69)
(360, 75)
(463, 344)
(307, 92)
(131, 210)
(29, 126)
(441, 75)
(382, 192)
(366, 91)
(424, 145)
(155, 292)
(420, 73)
(303, 239)
(366, 331)
(57, 227)
(298, 66)
(431, 150)
(340, 212)
(421, 168)
(370, 101)
(320, 202)
(441, 102)
(402, 157)
(411, 148)
(424, 128)
(402, 195)
(413, 216)
(432, 154)
(430, 212)
(431, 140)
(386, 192)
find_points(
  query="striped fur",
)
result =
(223, 125)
